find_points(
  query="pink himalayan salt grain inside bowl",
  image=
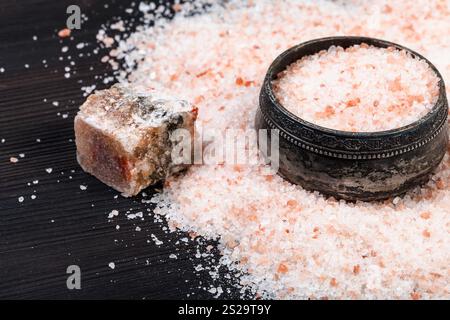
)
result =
(360, 89)
(293, 243)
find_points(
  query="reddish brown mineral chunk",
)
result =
(124, 139)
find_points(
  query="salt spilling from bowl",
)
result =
(361, 88)
(289, 242)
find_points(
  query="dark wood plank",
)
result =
(65, 225)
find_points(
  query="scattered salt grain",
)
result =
(83, 187)
(113, 213)
(212, 290)
(13, 160)
(49, 170)
(118, 26)
(112, 265)
(20, 199)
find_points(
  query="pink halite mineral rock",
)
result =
(124, 138)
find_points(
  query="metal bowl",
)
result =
(352, 165)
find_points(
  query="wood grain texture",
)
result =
(65, 225)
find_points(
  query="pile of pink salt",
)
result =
(360, 89)
(291, 243)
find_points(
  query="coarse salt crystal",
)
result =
(136, 215)
(64, 33)
(113, 213)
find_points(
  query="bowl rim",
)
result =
(280, 59)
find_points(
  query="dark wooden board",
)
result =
(65, 225)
